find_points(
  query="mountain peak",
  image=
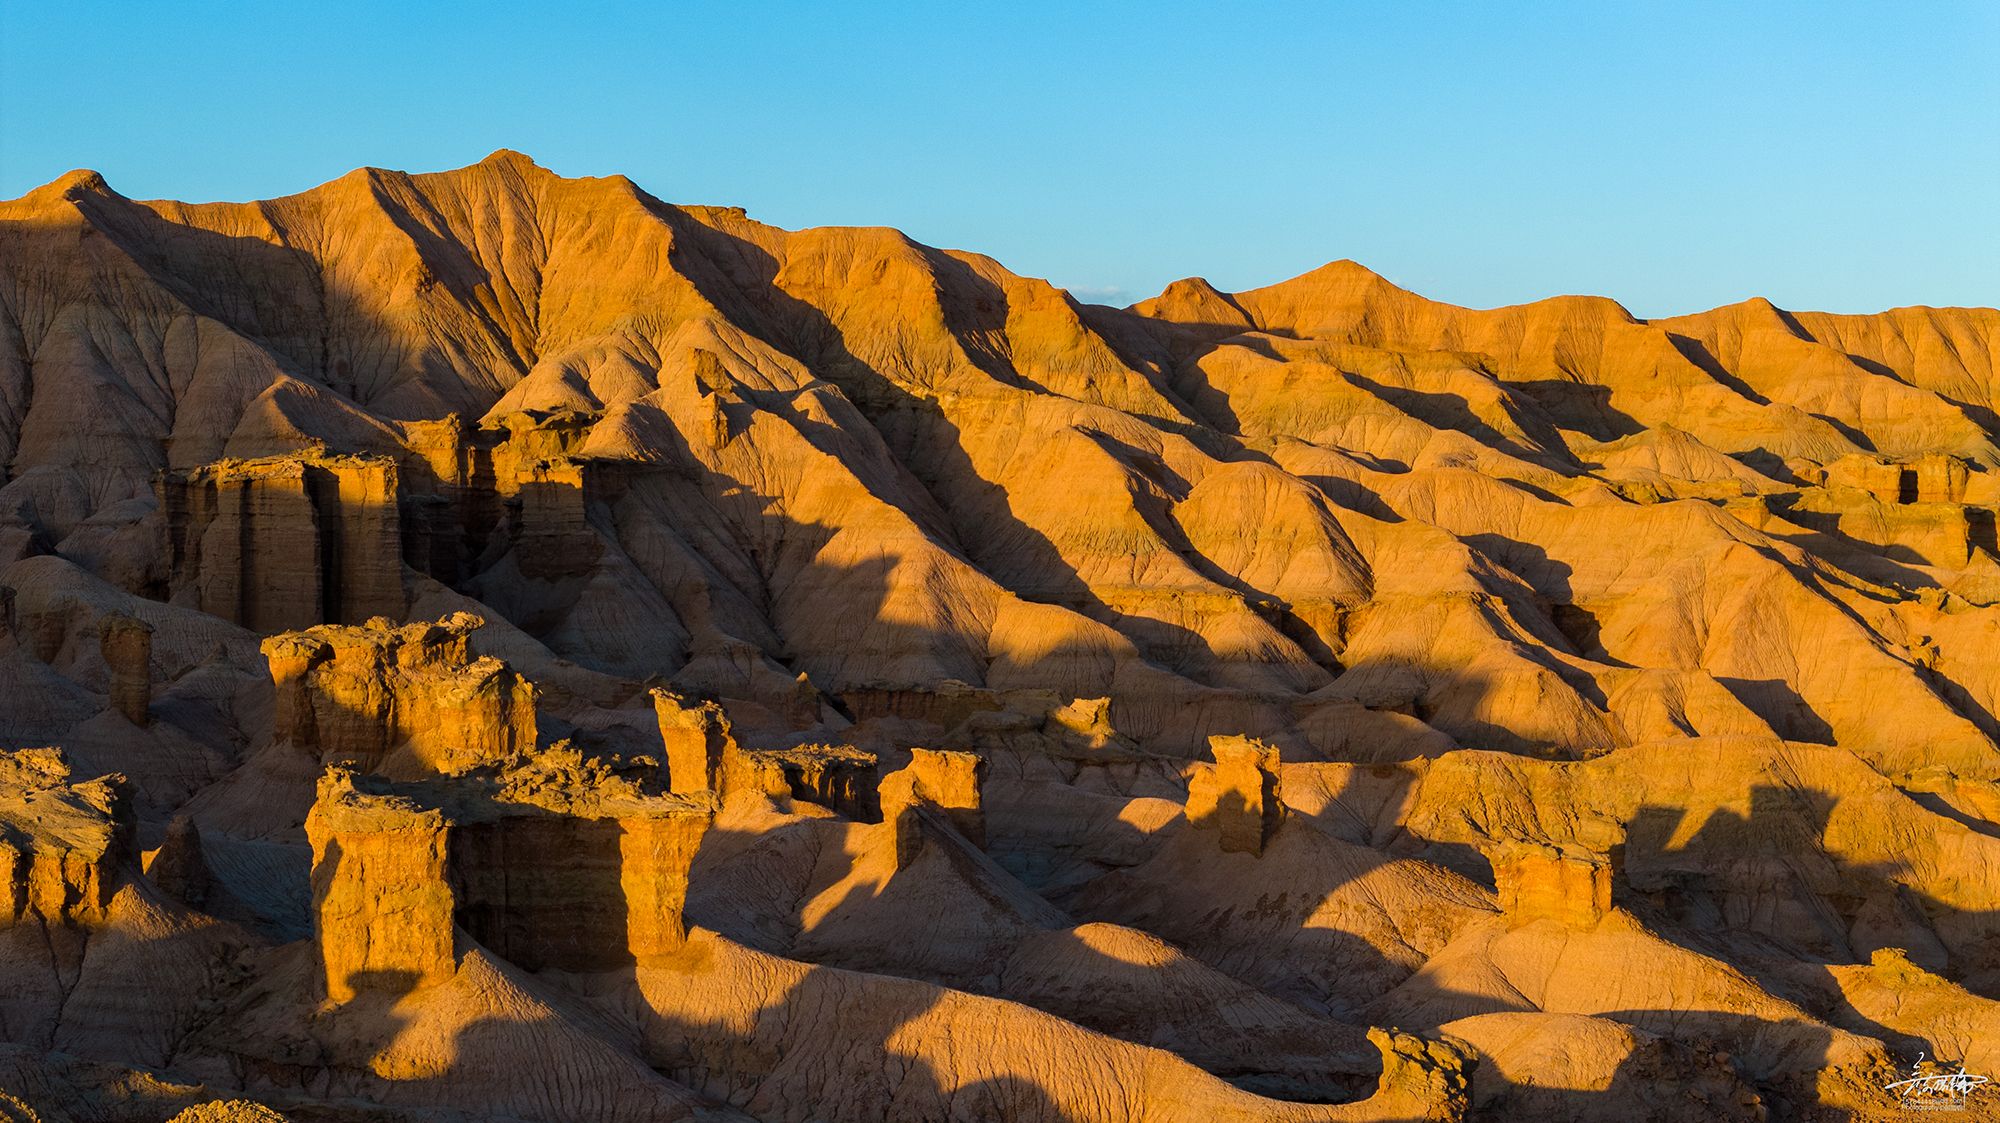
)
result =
(509, 158)
(70, 185)
(1193, 300)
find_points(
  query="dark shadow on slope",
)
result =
(1453, 412)
(1854, 435)
(1585, 406)
(1820, 534)
(1782, 708)
(1762, 891)
(985, 530)
(775, 873)
(1694, 351)
(1550, 578)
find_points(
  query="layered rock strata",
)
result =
(548, 875)
(412, 699)
(62, 840)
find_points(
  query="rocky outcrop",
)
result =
(127, 644)
(1539, 881)
(548, 862)
(1933, 478)
(939, 781)
(839, 778)
(178, 867)
(697, 740)
(286, 542)
(555, 538)
(62, 841)
(381, 898)
(947, 780)
(1085, 724)
(945, 704)
(703, 757)
(576, 892)
(1239, 796)
(410, 700)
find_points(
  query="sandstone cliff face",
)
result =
(905, 690)
(1536, 881)
(286, 542)
(544, 862)
(382, 907)
(697, 740)
(949, 781)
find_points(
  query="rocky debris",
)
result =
(62, 841)
(228, 1111)
(1428, 1074)
(1240, 796)
(15, 1110)
(127, 644)
(1537, 881)
(408, 700)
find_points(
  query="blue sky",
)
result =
(1674, 156)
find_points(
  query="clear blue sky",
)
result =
(1674, 156)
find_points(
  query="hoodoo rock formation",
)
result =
(486, 645)
(1239, 795)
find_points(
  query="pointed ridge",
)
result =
(1344, 275)
(69, 186)
(79, 181)
(1194, 300)
(1347, 265)
(1755, 309)
(510, 158)
(1345, 269)
(1200, 287)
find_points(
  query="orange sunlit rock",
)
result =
(490, 645)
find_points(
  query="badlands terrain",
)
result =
(492, 646)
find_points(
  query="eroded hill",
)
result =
(487, 645)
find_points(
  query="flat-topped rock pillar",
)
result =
(1239, 795)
